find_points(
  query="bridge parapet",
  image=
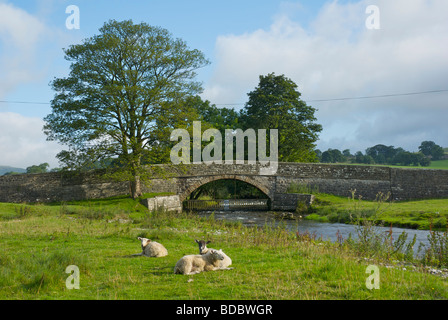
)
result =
(404, 184)
(204, 169)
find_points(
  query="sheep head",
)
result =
(217, 254)
(202, 246)
(144, 241)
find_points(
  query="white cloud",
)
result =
(23, 143)
(337, 56)
(20, 34)
(28, 51)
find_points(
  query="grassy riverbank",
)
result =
(419, 214)
(40, 241)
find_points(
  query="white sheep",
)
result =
(152, 248)
(225, 263)
(196, 263)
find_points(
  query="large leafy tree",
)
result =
(431, 149)
(332, 156)
(219, 118)
(120, 95)
(275, 104)
(383, 154)
(41, 168)
(211, 116)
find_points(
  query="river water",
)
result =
(326, 231)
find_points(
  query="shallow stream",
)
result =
(326, 231)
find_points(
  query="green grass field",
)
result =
(420, 214)
(38, 243)
(439, 164)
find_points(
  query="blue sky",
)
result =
(323, 46)
(197, 22)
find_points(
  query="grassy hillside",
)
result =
(439, 164)
(40, 241)
(5, 169)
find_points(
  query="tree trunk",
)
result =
(135, 186)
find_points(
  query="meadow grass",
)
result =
(437, 164)
(39, 241)
(418, 214)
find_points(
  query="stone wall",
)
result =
(419, 183)
(56, 186)
(404, 184)
(289, 201)
(336, 179)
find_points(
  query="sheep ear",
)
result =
(139, 238)
(208, 242)
(197, 241)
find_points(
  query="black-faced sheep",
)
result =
(203, 250)
(196, 263)
(152, 248)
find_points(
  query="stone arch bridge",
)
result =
(403, 184)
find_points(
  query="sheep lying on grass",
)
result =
(203, 250)
(196, 263)
(152, 248)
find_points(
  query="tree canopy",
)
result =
(120, 96)
(41, 168)
(275, 104)
(382, 154)
(431, 149)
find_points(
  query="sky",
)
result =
(328, 48)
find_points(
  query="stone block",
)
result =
(168, 203)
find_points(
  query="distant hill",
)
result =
(5, 169)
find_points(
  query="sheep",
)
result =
(152, 248)
(225, 263)
(196, 263)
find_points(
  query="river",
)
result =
(326, 231)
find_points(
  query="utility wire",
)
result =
(380, 96)
(357, 98)
(316, 100)
(23, 102)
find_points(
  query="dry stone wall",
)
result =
(419, 183)
(404, 184)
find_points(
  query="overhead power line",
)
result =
(23, 102)
(357, 98)
(380, 96)
(313, 100)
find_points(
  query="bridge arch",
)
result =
(196, 183)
